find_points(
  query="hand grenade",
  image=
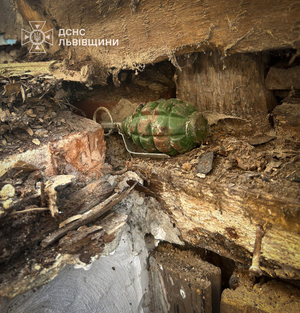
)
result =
(167, 126)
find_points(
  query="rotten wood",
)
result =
(233, 85)
(52, 198)
(88, 197)
(37, 226)
(243, 27)
(222, 217)
(29, 210)
(140, 188)
(80, 234)
(287, 119)
(45, 264)
(48, 70)
(182, 282)
(272, 296)
(283, 77)
(60, 139)
(76, 241)
(255, 269)
(90, 216)
(28, 68)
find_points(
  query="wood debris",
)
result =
(51, 71)
(91, 215)
(255, 266)
(51, 186)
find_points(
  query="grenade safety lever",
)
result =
(112, 127)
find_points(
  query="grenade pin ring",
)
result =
(117, 126)
(111, 124)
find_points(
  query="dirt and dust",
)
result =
(270, 164)
(271, 296)
(273, 167)
(25, 201)
(265, 161)
(152, 83)
(25, 126)
(187, 261)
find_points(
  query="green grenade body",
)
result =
(168, 126)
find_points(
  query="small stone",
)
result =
(7, 191)
(261, 139)
(201, 175)
(29, 112)
(29, 131)
(8, 204)
(36, 142)
(186, 166)
(59, 182)
(205, 163)
(41, 132)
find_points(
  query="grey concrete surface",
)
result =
(115, 283)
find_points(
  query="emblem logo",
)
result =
(37, 37)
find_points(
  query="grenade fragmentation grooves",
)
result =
(167, 126)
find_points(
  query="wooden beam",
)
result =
(90, 216)
(50, 69)
(287, 119)
(183, 282)
(150, 31)
(283, 77)
(29, 68)
(223, 218)
(234, 85)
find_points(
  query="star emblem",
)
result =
(37, 37)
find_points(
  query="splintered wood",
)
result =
(49, 174)
(58, 141)
(182, 282)
(32, 219)
(247, 186)
(76, 238)
(245, 27)
(52, 71)
(88, 217)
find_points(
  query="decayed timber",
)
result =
(148, 31)
(78, 142)
(233, 85)
(283, 77)
(87, 197)
(16, 283)
(50, 69)
(287, 118)
(223, 218)
(182, 282)
(90, 216)
(19, 69)
(269, 297)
